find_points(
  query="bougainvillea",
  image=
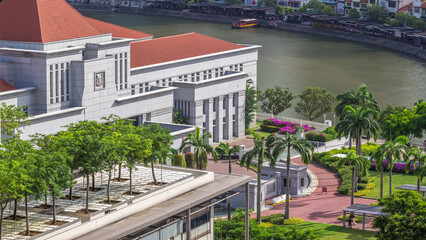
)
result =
(398, 167)
(286, 126)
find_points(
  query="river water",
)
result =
(299, 60)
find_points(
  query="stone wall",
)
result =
(390, 44)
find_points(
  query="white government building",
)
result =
(66, 68)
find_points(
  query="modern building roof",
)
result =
(166, 49)
(117, 31)
(365, 209)
(42, 21)
(5, 86)
(411, 187)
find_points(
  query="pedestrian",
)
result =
(351, 218)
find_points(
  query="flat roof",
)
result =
(365, 209)
(222, 183)
(411, 187)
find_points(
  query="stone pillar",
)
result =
(219, 119)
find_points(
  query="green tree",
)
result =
(404, 218)
(356, 163)
(405, 121)
(161, 141)
(233, 2)
(379, 157)
(418, 161)
(11, 118)
(281, 145)
(276, 100)
(376, 13)
(114, 146)
(53, 168)
(316, 6)
(362, 98)
(224, 149)
(84, 140)
(200, 143)
(179, 118)
(266, 3)
(394, 150)
(354, 13)
(250, 105)
(314, 102)
(140, 149)
(288, 10)
(259, 153)
(279, 10)
(189, 160)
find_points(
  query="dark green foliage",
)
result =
(405, 218)
(179, 118)
(362, 186)
(177, 160)
(325, 136)
(318, 7)
(250, 104)
(377, 13)
(354, 13)
(277, 219)
(234, 230)
(276, 100)
(314, 102)
(269, 128)
(189, 159)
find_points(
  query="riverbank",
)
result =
(356, 37)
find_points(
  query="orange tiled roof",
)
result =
(406, 8)
(42, 21)
(364, 1)
(423, 5)
(5, 86)
(176, 47)
(117, 31)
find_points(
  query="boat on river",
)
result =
(246, 23)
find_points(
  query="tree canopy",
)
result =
(276, 100)
(314, 102)
(377, 13)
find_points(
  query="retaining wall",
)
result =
(386, 43)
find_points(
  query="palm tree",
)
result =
(379, 157)
(356, 122)
(260, 152)
(288, 142)
(357, 162)
(201, 146)
(250, 104)
(356, 99)
(419, 158)
(395, 150)
(225, 149)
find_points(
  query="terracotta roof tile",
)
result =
(423, 5)
(117, 31)
(406, 8)
(177, 47)
(5, 86)
(42, 21)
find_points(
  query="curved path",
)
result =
(318, 207)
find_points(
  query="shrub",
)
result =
(364, 180)
(277, 219)
(361, 193)
(293, 221)
(369, 148)
(370, 186)
(190, 160)
(362, 186)
(267, 224)
(177, 161)
(344, 189)
(357, 219)
(269, 128)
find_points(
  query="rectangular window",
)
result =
(68, 81)
(235, 100)
(125, 71)
(210, 74)
(215, 104)
(170, 81)
(356, 4)
(146, 87)
(348, 4)
(205, 75)
(302, 182)
(141, 88)
(216, 72)
(231, 67)
(221, 72)
(241, 67)
(198, 76)
(205, 104)
(363, 5)
(157, 82)
(193, 77)
(224, 120)
(133, 89)
(51, 85)
(164, 82)
(180, 78)
(392, 4)
(62, 84)
(417, 10)
(214, 122)
(372, 1)
(57, 83)
(185, 78)
(225, 99)
(234, 117)
(285, 182)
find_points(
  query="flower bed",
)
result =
(324, 136)
(273, 125)
(398, 167)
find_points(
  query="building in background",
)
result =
(67, 68)
(414, 8)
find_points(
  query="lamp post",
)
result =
(325, 118)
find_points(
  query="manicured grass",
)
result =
(331, 232)
(398, 179)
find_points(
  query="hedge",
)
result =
(190, 160)
(269, 128)
(324, 136)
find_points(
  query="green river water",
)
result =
(299, 60)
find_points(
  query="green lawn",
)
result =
(327, 231)
(398, 179)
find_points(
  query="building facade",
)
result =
(65, 68)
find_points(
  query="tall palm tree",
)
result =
(356, 122)
(379, 157)
(356, 162)
(418, 161)
(250, 104)
(286, 143)
(356, 99)
(201, 146)
(227, 150)
(395, 149)
(260, 152)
